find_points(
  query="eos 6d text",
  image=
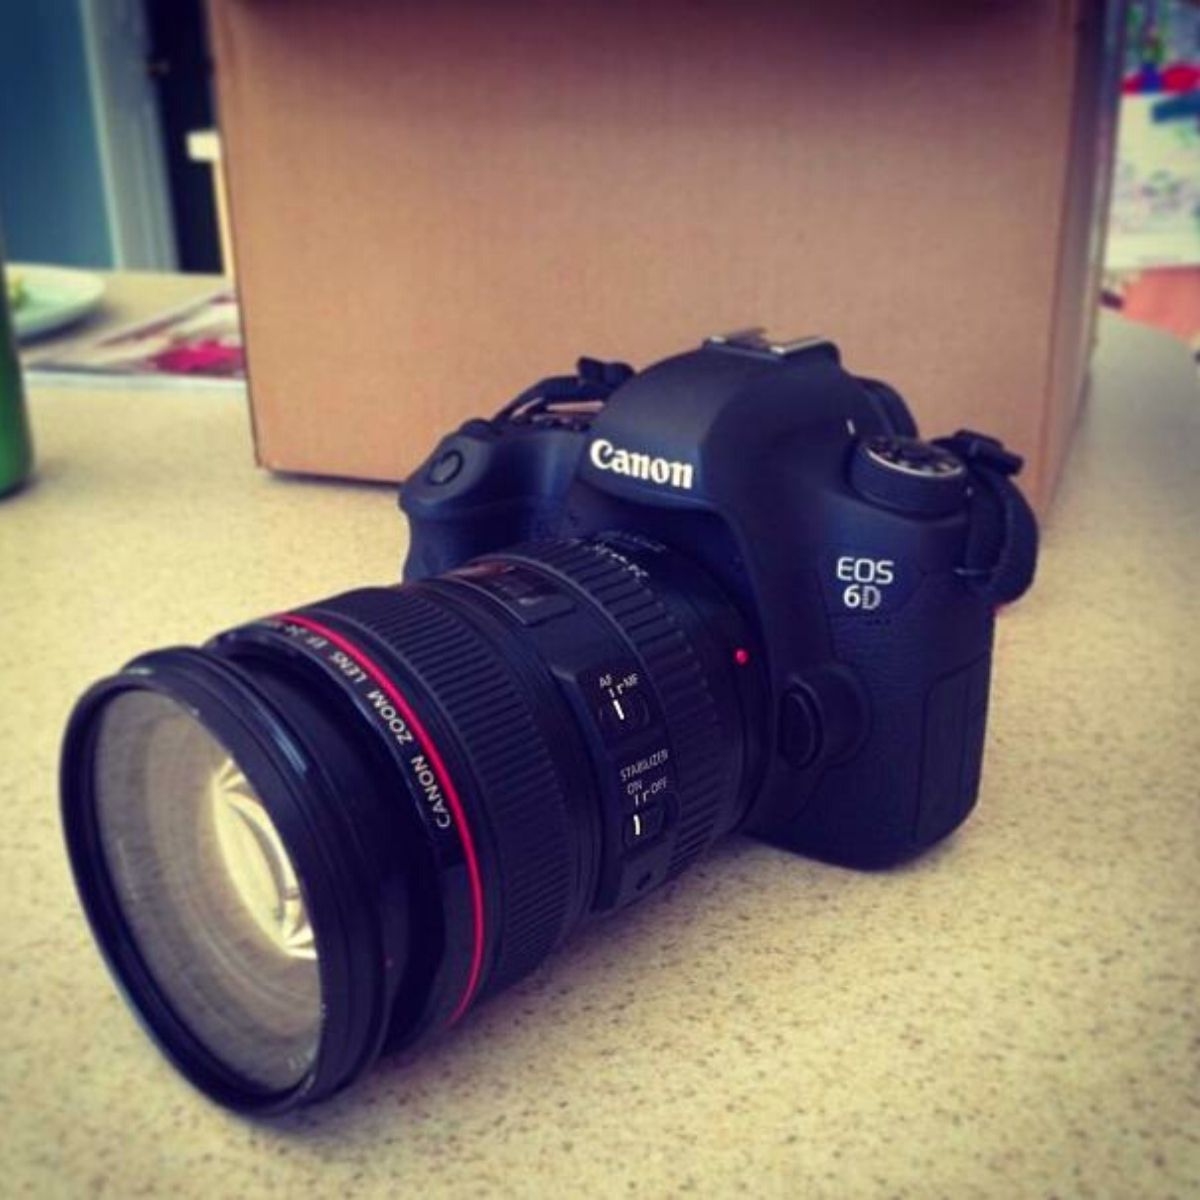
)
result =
(864, 579)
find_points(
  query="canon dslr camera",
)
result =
(733, 591)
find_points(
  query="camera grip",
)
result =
(915, 775)
(486, 487)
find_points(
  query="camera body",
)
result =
(868, 564)
(732, 592)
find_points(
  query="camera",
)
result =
(734, 591)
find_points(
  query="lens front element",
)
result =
(207, 889)
(259, 867)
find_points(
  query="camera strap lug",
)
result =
(1002, 539)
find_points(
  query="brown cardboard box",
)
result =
(435, 204)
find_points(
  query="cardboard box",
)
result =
(435, 204)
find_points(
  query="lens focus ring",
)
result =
(523, 808)
(697, 737)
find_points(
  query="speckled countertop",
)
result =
(1015, 1015)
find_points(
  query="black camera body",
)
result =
(868, 564)
(733, 592)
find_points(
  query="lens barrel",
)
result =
(446, 779)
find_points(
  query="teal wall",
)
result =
(51, 191)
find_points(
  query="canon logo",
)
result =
(607, 457)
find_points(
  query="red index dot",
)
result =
(741, 656)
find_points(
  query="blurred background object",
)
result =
(97, 99)
(16, 447)
(1153, 255)
(110, 157)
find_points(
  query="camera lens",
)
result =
(332, 832)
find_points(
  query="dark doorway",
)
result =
(181, 67)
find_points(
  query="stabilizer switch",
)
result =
(908, 475)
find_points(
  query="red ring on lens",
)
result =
(443, 775)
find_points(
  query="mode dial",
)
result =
(908, 475)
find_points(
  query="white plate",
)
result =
(53, 297)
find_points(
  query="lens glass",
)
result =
(207, 889)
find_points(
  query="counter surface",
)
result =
(1015, 1014)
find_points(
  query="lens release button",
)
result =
(799, 728)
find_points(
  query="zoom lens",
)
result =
(333, 831)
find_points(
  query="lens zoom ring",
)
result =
(521, 798)
(698, 741)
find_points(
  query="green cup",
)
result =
(16, 445)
